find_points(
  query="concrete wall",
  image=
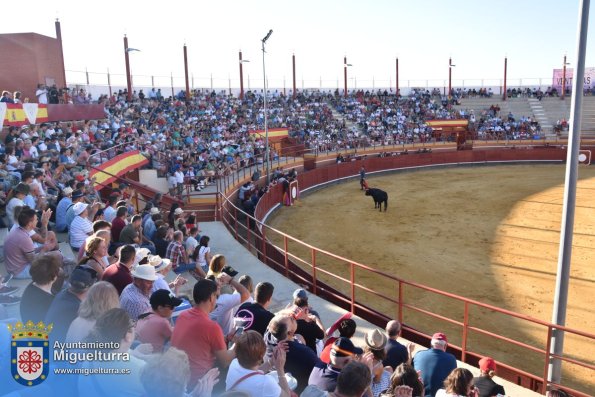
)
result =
(149, 178)
(27, 60)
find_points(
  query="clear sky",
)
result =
(535, 34)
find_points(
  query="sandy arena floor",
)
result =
(486, 233)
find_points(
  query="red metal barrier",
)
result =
(342, 291)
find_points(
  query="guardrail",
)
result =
(348, 283)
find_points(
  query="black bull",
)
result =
(379, 196)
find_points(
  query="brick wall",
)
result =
(28, 59)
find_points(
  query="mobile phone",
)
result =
(239, 331)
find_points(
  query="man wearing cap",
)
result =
(61, 208)
(65, 306)
(81, 227)
(325, 375)
(135, 297)
(434, 364)
(77, 197)
(484, 382)
(396, 353)
(155, 327)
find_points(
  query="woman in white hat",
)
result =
(376, 341)
(162, 268)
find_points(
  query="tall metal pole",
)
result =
(186, 73)
(449, 77)
(128, 78)
(266, 117)
(241, 77)
(566, 230)
(397, 91)
(564, 79)
(59, 38)
(293, 62)
(345, 75)
(171, 75)
(109, 83)
(505, 71)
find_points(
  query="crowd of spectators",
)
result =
(131, 263)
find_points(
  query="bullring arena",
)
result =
(485, 232)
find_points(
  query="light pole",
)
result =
(450, 66)
(345, 65)
(564, 78)
(504, 95)
(266, 117)
(242, 61)
(397, 79)
(186, 73)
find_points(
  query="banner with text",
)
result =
(588, 81)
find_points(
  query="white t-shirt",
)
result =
(202, 261)
(12, 204)
(80, 229)
(191, 244)
(259, 385)
(42, 96)
(223, 313)
(160, 283)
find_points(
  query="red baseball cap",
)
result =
(487, 364)
(439, 336)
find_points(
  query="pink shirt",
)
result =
(17, 245)
(155, 330)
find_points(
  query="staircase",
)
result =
(349, 125)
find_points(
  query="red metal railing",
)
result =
(300, 262)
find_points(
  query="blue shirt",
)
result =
(61, 209)
(396, 354)
(435, 365)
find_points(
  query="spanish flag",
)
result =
(275, 134)
(20, 114)
(116, 167)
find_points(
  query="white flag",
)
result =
(2, 113)
(30, 111)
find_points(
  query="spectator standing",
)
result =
(119, 223)
(202, 253)
(435, 364)
(41, 94)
